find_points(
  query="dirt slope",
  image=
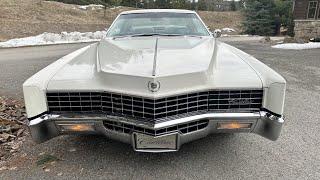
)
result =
(21, 18)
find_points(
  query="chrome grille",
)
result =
(140, 107)
(182, 128)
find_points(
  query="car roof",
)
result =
(158, 10)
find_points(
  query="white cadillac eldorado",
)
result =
(158, 79)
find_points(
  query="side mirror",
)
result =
(216, 33)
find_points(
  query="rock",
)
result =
(72, 150)
(266, 39)
(46, 170)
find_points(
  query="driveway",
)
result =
(295, 155)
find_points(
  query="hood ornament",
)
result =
(153, 86)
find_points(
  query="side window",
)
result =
(312, 9)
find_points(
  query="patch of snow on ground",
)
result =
(91, 7)
(296, 46)
(53, 38)
(115, 7)
(228, 30)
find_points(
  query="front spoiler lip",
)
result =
(263, 123)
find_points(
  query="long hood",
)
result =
(155, 56)
(177, 64)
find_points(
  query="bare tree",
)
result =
(105, 4)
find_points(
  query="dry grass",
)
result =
(21, 18)
(218, 20)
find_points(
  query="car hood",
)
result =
(177, 64)
(164, 56)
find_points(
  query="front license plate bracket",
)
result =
(143, 142)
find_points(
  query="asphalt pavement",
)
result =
(18, 64)
(295, 155)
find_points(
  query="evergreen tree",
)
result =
(162, 4)
(233, 6)
(284, 11)
(179, 4)
(290, 25)
(193, 5)
(149, 4)
(241, 4)
(202, 6)
(130, 3)
(259, 17)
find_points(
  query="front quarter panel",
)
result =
(34, 88)
(273, 83)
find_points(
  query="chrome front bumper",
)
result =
(262, 123)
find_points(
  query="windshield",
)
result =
(161, 23)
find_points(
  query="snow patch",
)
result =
(91, 7)
(116, 7)
(228, 30)
(296, 46)
(217, 30)
(53, 38)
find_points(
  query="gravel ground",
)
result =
(240, 156)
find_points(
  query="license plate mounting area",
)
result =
(143, 142)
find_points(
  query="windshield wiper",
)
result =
(145, 35)
(155, 34)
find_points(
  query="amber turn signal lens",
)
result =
(234, 125)
(76, 127)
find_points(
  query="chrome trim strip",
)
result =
(180, 120)
(212, 116)
(154, 69)
(43, 118)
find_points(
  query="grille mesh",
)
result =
(140, 107)
(182, 128)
